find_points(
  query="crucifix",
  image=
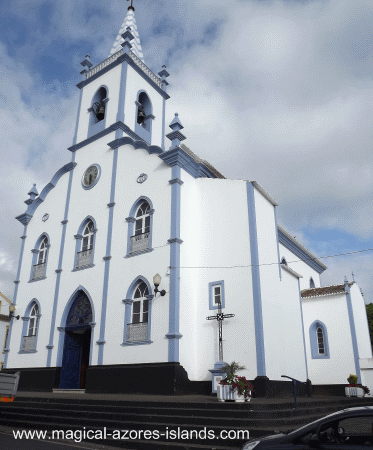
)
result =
(220, 316)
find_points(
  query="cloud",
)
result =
(276, 91)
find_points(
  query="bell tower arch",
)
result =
(122, 93)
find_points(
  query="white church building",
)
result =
(131, 205)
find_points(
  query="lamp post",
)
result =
(157, 281)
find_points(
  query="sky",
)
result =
(277, 91)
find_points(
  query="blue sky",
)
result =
(280, 92)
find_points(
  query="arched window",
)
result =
(140, 228)
(85, 245)
(98, 111)
(140, 306)
(283, 261)
(138, 313)
(30, 327)
(39, 260)
(319, 340)
(144, 117)
(312, 283)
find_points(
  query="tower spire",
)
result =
(129, 22)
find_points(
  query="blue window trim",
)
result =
(131, 226)
(212, 305)
(313, 340)
(35, 254)
(128, 310)
(65, 314)
(26, 319)
(96, 180)
(79, 240)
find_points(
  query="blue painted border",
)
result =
(174, 304)
(65, 314)
(257, 296)
(79, 240)
(299, 252)
(7, 345)
(35, 255)
(353, 331)
(131, 226)
(129, 60)
(107, 259)
(277, 242)
(132, 137)
(313, 340)
(303, 334)
(122, 91)
(128, 310)
(27, 216)
(212, 305)
(177, 156)
(25, 325)
(64, 222)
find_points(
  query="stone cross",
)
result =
(220, 316)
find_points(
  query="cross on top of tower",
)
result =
(131, 5)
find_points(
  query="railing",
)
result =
(134, 58)
(28, 343)
(38, 271)
(84, 258)
(146, 70)
(137, 332)
(307, 383)
(139, 242)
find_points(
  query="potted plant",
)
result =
(233, 387)
(355, 390)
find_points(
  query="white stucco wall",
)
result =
(282, 320)
(332, 311)
(215, 235)
(361, 323)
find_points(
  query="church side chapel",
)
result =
(124, 281)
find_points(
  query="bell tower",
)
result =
(121, 93)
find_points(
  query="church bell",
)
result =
(99, 109)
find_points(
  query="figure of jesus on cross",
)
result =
(220, 316)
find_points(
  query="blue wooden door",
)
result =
(71, 361)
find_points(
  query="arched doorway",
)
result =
(77, 343)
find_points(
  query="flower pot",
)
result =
(226, 393)
(353, 391)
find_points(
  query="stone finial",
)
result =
(175, 136)
(86, 63)
(33, 193)
(164, 74)
(128, 37)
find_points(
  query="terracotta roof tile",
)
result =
(324, 290)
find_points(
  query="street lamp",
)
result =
(157, 281)
(12, 308)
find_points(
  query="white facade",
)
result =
(203, 231)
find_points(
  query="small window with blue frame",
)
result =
(216, 294)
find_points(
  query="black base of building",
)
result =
(157, 378)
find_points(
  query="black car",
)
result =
(350, 429)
